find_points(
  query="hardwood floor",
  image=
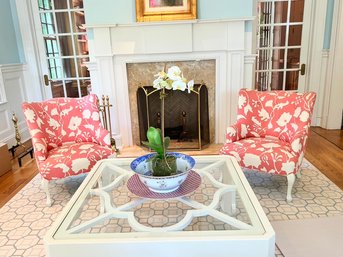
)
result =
(334, 136)
(14, 180)
(325, 155)
(322, 153)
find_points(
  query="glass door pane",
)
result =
(279, 44)
(66, 46)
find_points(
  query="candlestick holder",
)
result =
(13, 149)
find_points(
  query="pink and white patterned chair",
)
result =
(67, 137)
(271, 132)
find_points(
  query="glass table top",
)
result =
(103, 206)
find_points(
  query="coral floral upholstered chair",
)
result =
(67, 136)
(271, 132)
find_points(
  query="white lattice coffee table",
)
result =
(222, 217)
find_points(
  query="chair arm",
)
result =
(299, 141)
(103, 137)
(235, 132)
(39, 148)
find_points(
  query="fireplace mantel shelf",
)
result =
(197, 21)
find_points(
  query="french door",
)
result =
(282, 43)
(63, 48)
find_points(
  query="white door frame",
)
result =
(332, 104)
(38, 35)
(307, 34)
(305, 55)
(317, 64)
(33, 74)
(34, 49)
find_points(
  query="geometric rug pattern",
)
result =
(25, 219)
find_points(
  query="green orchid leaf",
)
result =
(157, 148)
(154, 136)
(156, 142)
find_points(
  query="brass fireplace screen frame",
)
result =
(181, 108)
(105, 113)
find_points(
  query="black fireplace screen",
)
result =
(186, 116)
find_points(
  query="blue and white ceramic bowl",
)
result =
(167, 184)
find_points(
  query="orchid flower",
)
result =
(173, 79)
(161, 75)
(190, 85)
(160, 83)
(179, 85)
(174, 73)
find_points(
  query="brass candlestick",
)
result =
(17, 134)
(26, 151)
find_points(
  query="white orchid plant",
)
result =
(173, 79)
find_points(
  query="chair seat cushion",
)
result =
(72, 159)
(263, 154)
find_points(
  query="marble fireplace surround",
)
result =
(142, 74)
(225, 43)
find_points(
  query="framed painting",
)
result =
(165, 10)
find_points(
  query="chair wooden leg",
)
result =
(290, 182)
(45, 187)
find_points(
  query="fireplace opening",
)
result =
(186, 116)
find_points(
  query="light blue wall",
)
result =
(328, 24)
(224, 9)
(109, 11)
(17, 31)
(8, 42)
(123, 11)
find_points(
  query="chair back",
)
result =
(278, 114)
(63, 120)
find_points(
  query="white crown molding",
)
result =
(158, 23)
(7, 68)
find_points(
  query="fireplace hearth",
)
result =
(186, 116)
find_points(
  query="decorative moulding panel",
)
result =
(4, 125)
(102, 44)
(151, 39)
(127, 40)
(13, 83)
(169, 38)
(210, 36)
(236, 34)
(235, 80)
(3, 98)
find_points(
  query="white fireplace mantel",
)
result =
(112, 47)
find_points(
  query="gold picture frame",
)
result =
(166, 10)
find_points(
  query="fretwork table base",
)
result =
(222, 216)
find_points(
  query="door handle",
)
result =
(46, 80)
(302, 69)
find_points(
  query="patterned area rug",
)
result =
(25, 219)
